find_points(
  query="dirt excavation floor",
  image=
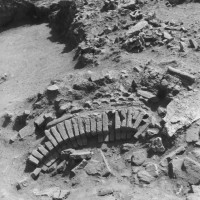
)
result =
(99, 100)
(30, 60)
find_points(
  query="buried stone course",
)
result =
(114, 125)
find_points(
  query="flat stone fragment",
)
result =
(172, 155)
(37, 154)
(105, 127)
(51, 138)
(56, 134)
(68, 126)
(82, 131)
(117, 126)
(129, 124)
(62, 131)
(43, 150)
(123, 123)
(181, 74)
(141, 130)
(100, 128)
(80, 155)
(49, 145)
(33, 160)
(87, 126)
(93, 126)
(35, 173)
(76, 132)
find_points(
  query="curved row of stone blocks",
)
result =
(74, 133)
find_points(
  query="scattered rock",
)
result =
(54, 192)
(147, 95)
(76, 109)
(162, 111)
(127, 147)
(105, 191)
(157, 145)
(194, 44)
(152, 169)
(152, 132)
(139, 157)
(65, 107)
(175, 168)
(192, 133)
(94, 168)
(40, 121)
(53, 88)
(144, 176)
(192, 168)
(137, 28)
(79, 167)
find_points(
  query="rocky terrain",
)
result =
(99, 99)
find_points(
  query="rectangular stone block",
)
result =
(62, 131)
(138, 120)
(49, 145)
(123, 117)
(43, 150)
(51, 159)
(111, 127)
(99, 125)
(36, 173)
(68, 126)
(129, 124)
(33, 160)
(37, 155)
(141, 130)
(56, 134)
(117, 126)
(93, 126)
(82, 131)
(87, 126)
(51, 138)
(105, 127)
(44, 168)
(76, 131)
(135, 115)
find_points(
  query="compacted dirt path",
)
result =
(30, 60)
